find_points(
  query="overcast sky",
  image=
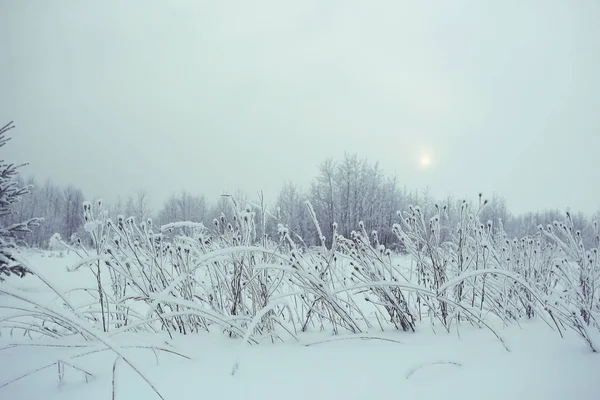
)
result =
(211, 96)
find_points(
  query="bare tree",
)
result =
(142, 208)
(72, 203)
(185, 207)
(322, 197)
(290, 210)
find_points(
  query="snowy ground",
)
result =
(540, 365)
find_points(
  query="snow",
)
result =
(470, 364)
(541, 366)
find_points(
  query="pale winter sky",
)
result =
(211, 96)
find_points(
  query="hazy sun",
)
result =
(425, 160)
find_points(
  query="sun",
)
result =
(425, 160)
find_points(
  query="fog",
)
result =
(212, 97)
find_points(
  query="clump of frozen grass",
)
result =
(179, 277)
(191, 278)
(372, 262)
(475, 266)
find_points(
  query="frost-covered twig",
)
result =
(413, 370)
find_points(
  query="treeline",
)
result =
(344, 192)
(60, 208)
(354, 189)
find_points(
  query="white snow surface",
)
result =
(424, 365)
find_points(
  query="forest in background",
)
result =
(344, 191)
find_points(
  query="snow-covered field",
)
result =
(422, 365)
